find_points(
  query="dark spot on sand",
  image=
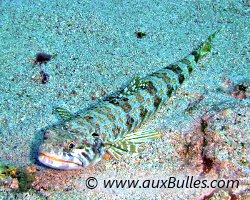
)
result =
(140, 34)
(42, 58)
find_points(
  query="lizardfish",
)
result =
(83, 139)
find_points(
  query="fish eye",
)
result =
(46, 135)
(71, 145)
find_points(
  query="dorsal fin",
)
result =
(136, 84)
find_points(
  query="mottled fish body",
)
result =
(83, 139)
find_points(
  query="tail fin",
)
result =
(205, 48)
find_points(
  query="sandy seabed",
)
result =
(95, 51)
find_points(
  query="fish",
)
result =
(108, 128)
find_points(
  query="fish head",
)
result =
(66, 148)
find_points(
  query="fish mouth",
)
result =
(60, 161)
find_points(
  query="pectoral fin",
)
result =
(64, 114)
(131, 143)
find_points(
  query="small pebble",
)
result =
(45, 77)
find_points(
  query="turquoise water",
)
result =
(95, 50)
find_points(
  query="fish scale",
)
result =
(83, 139)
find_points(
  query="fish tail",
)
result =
(205, 48)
